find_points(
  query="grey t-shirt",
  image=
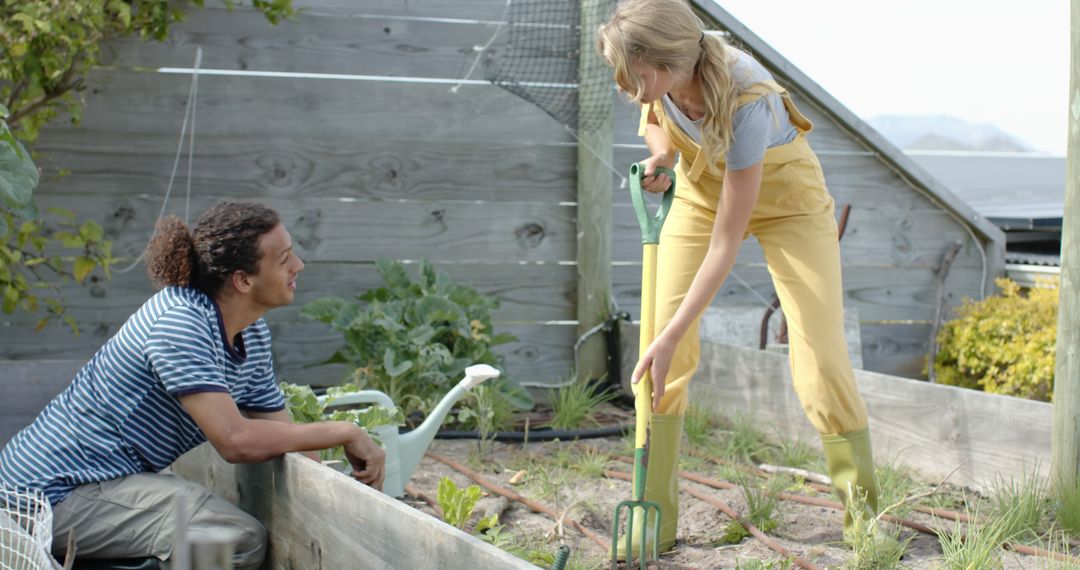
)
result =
(755, 128)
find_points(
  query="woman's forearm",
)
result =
(736, 205)
(658, 142)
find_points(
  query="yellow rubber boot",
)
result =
(661, 484)
(850, 461)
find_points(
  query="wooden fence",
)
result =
(368, 152)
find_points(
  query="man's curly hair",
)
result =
(225, 240)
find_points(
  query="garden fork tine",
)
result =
(650, 237)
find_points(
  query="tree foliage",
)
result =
(47, 47)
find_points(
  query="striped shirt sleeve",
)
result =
(263, 393)
(180, 349)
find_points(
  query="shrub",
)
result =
(1003, 344)
(414, 339)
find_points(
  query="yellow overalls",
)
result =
(794, 222)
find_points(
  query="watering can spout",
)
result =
(412, 445)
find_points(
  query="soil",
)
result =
(815, 533)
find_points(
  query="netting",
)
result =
(25, 530)
(541, 60)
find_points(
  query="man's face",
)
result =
(275, 284)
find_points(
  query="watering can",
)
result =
(405, 450)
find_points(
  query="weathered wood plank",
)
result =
(325, 229)
(331, 109)
(930, 427)
(542, 354)
(320, 518)
(525, 292)
(880, 294)
(454, 9)
(897, 349)
(105, 163)
(371, 45)
(25, 388)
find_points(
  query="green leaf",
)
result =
(11, 298)
(83, 267)
(457, 504)
(71, 240)
(18, 177)
(323, 309)
(336, 358)
(91, 231)
(395, 370)
(122, 11)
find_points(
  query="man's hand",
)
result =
(368, 460)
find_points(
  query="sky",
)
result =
(1002, 62)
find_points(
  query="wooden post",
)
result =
(593, 192)
(1066, 434)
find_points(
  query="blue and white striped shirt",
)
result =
(121, 416)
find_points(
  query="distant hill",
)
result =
(940, 132)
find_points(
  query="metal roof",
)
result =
(1016, 191)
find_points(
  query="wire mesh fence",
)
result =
(25, 530)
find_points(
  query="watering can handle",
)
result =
(362, 397)
(650, 225)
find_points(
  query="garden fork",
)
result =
(650, 237)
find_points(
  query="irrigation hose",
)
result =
(727, 510)
(561, 557)
(539, 434)
(815, 501)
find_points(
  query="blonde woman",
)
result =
(738, 146)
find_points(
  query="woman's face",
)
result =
(657, 82)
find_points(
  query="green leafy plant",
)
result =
(50, 45)
(46, 49)
(304, 407)
(574, 405)
(29, 260)
(414, 339)
(457, 504)
(1003, 344)
(486, 410)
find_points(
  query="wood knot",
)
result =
(307, 227)
(530, 235)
